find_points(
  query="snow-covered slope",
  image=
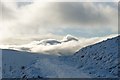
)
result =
(98, 60)
(18, 64)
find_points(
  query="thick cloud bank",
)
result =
(67, 46)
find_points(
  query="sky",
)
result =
(35, 19)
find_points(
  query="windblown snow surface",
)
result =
(94, 61)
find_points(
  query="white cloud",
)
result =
(63, 48)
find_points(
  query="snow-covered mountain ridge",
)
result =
(98, 60)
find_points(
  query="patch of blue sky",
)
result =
(85, 32)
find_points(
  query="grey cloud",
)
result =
(80, 13)
(69, 12)
(84, 13)
(33, 18)
(7, 12)
(22, 4)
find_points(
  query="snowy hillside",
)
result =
(98, 60)
(24, 64)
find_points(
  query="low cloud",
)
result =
(68, 47)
